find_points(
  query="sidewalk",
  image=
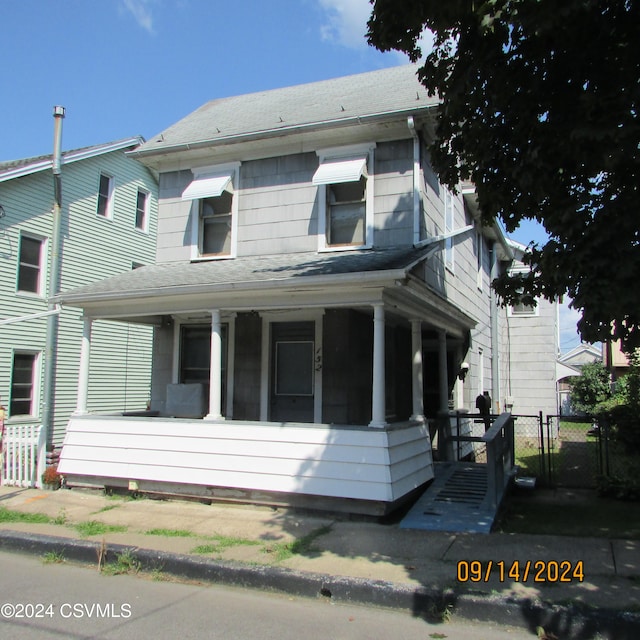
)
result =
(346, 560)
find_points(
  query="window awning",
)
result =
(207, 186)
(342, 170)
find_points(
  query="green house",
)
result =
(108, 226)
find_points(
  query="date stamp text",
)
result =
(562, 571)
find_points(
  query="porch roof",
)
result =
(304, 279)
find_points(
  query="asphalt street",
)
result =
(48, 601)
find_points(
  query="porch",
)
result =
(346, 468)
(309, 378)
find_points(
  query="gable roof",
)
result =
(329, 103)
(17, 168)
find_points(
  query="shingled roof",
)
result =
(11, 169)
(221, 274)
(366, 95)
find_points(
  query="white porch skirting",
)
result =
(358, 463)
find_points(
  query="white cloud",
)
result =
(141, 11)
(346, 24)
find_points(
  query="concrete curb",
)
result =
(566, 621)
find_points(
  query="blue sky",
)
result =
(134, 67)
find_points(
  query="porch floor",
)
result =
(456, 500)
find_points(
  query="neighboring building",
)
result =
(569, 365)
(530, 350)
(583, 354)
(109, 225)
(615, 359)
(319, 298)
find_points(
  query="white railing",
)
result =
(23, 456)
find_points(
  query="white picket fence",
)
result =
(23, 458)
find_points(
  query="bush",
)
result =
(51, 476)
(591, 388)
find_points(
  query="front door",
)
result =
(292, 371)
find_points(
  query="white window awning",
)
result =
(340, 170)
(207, 185)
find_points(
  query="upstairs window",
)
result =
(142, 210)
(30, 264)
(105, 196)
(523, 310)
(346, 199)
(215, 212)
(346, 213)
(215, 225)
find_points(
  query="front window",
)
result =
(215, 225)
(345, 195)
(346, 213)
(105, 196)
(23, 383)
(30, 264)
(195, 357)
(214, 196)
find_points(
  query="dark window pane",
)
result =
(141, 209)
(104, 192)
(294, 368)
(30, 251)
(28, 279)
(22, 377)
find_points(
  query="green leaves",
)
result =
(540, 109)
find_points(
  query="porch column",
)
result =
(378, 406)
(443, 373)
(417, 372)
(83, 371)
(215, 371)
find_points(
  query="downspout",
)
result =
(495, 342)
(416, 179)
(51, 346)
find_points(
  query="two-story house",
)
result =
(530, 352)
(108, 225)
(318, 297)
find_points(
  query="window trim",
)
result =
(347, 154)
(479, 259)
(213, 174)
(108, 210)
(449, 227)
(144, 227)
(41, 286)
(35, 384)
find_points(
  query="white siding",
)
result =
(92, 248)
(362, 464)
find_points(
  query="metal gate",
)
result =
(561, 451)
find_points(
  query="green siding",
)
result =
(92, 248)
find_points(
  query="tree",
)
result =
(539, 108)
(591, 388)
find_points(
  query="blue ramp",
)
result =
(455, 501)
